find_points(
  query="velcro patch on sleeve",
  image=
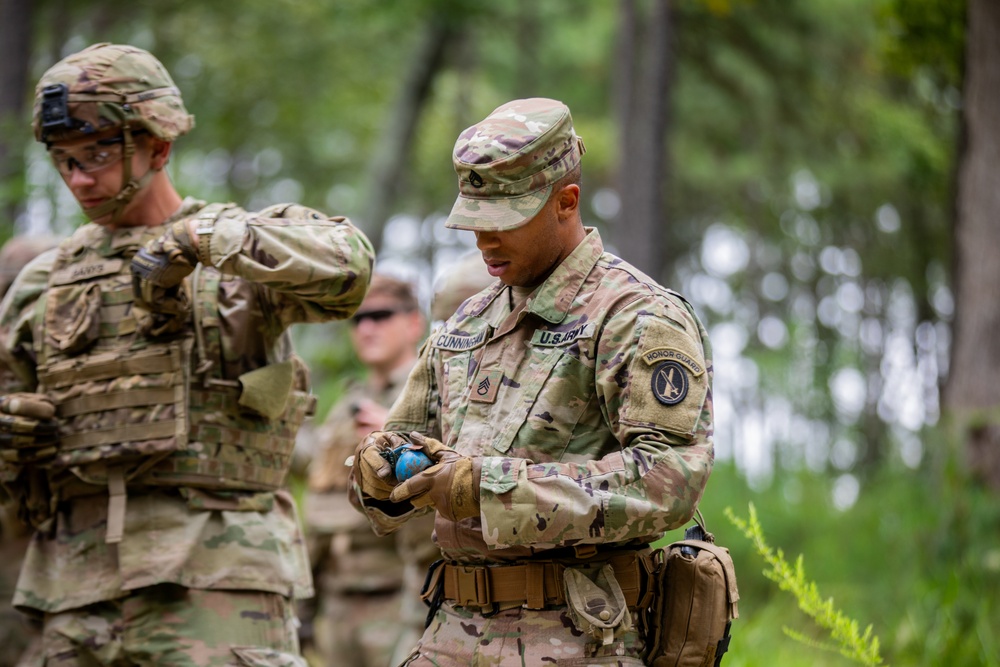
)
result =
(667, 379)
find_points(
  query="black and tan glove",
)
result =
(29, 432)
(451, 485)
(167, 260)
(371, 471)
(158, 271)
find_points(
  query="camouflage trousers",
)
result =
(19, 638)
(459, 637)
(169, 625)
(359, 630)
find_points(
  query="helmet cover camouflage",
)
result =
(507, 163)
(106, 86)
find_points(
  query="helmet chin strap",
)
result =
(130, 186)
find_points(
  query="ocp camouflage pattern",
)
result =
(537, 145)
(592, 408)
(69, 318)
(127, 84)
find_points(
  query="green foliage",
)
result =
(917, 554)
(852, 101)
(925, 37)
(860, 647)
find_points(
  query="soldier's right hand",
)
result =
(371, 471)
(167, 260)
(28, 430)
(158, 271)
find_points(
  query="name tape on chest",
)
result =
(460, 342)
(79, 272)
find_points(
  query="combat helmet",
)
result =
(107, 86)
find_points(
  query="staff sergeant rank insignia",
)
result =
(669, 383)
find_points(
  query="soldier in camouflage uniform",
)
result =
(18, 636)
(467, 276)
(158, 394)
(568, 408)
(366, 586)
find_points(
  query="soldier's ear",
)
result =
(568, 201)
(159, 152)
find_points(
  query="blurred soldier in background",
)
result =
(569, 412)
(359, 576)
(18, 637)
(158, 396)
(467, 276)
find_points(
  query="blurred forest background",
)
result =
(817, 177)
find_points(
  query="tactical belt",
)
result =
(534, 584)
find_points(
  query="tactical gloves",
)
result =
(166, 261)
(28, 430)
(373, 472)
(158, 271)
(451, 485)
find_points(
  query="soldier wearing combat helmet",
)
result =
(568, 409)
(158, 395)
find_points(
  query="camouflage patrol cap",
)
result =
(106, 86)
(507, 163)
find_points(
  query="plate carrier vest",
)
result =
(153, 411)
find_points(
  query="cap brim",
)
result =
(496, 215)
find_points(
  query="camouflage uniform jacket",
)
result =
(590, 405)
(273, 272)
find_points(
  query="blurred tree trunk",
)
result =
(644, 71)
(388, 167)
(528, 38)
(972, 391)
(15, 54)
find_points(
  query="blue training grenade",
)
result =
(406, 461)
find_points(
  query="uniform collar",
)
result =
(127, 240)
(554, 297)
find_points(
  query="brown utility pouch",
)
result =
(695, 603)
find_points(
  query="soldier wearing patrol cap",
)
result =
(568, 409)
(158, 397)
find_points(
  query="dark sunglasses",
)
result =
(374, 315)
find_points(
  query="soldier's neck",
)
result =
(153, 205)
(382, 376)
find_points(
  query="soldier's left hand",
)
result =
(451, 485)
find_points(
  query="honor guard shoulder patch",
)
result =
(671, 354)
(669, 383)
(668, 379)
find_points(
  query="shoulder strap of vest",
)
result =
(205, 312)
(214, 210)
